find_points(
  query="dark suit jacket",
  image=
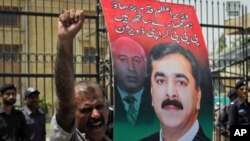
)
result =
(147, 122)
(146, 113)
(200, 136)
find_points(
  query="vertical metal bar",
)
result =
(36, 46)
(97, 41)
(27, 50)
(230, 51)
(59, 7)
(74, 4)
(82, 57)
(52, 60)
(201, 9)
(89, 44)
(103, 45)
(230, 46)
(236, 44)
(44, 61)
(44, 49)
(219, 84)
(207, 33)
(67, 4)
(213, 46)
(224, 53)
(3, 47)
(20, 47)
(195, 5)
(246, 35)
(11, 45)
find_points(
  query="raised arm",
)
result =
(69, 23)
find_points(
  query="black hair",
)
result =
(91, 87)
(163, 49)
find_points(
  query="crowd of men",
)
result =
(26, 124)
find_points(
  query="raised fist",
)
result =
(69, 24)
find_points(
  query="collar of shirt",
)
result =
(83, 135)
(189, 135)
(27, 110)
(106, 138)
(239, 100)
(136, 95)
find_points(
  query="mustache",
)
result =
(9, 102)
(35, 101)
(94, 120)
(174, 102)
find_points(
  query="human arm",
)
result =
(69, 23)
(23, 132)
(232, 114)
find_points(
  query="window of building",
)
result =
(9, 52)
(90, 55)
(10, 19)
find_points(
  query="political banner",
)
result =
(163, 86)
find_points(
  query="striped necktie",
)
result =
(131, 113)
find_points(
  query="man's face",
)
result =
(32, 101)
(9, 97)
(130, 66)
(91, 115)
(242, 92)
(175, 98)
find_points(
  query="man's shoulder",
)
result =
(24, 110)
(17, 112)
(227, 107)
(238, 102)
(200, 136)
(152, 137)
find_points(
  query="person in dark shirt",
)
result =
(35, 119)
(239, 112)
(222, 124)
(12, 121)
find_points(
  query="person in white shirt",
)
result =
(82, 109)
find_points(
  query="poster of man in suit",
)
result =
(163, 86)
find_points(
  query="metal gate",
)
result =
(28, 40)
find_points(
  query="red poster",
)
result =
(162, 79)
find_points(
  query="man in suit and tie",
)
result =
(176, 93)
(133, 109)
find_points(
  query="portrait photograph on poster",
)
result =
(163, 87)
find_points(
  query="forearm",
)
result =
(69, 24)
(64, 79)
(232, 117)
